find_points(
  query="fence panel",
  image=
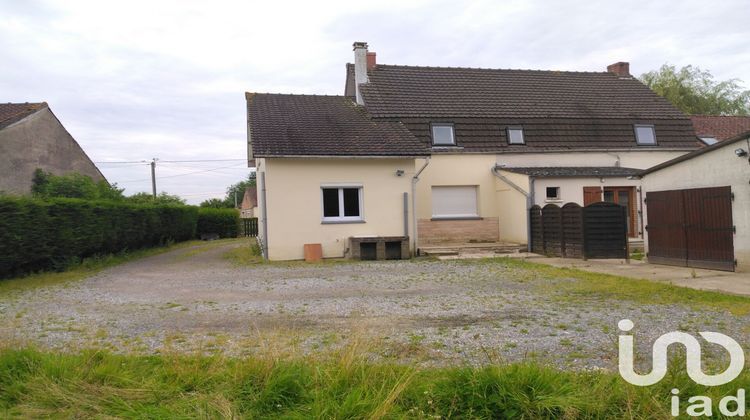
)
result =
(537, 234)
(572, 228)
(552, 228)
(249, 227)
(605, 230)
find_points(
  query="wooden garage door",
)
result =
(691, 228)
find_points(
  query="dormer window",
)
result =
(515, 135)
(442, 134)
(645, 135)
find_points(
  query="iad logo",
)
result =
(700, 405)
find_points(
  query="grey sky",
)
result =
(140, 79)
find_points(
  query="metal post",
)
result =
(153, 177)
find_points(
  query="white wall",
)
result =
(718, 168)
(293, 202)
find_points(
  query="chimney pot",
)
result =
(621, 68)
(371, 61)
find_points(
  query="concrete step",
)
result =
(472, 248)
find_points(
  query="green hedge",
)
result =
(38, 235)
(222, 222)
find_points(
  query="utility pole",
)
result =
(235, 198)
(153, 176)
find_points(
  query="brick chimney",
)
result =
(361, 61)
(620, 68)
(371, 61)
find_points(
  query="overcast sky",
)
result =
(134, 80)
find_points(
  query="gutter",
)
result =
(528, 194)
(414, 181)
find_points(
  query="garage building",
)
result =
(697, 208)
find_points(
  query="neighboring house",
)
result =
(32, 137)
(249, 205)
(715, 128)
(698, 207)
(499, 141)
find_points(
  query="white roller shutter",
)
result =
(454, 202)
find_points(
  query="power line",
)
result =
(173, 161)
(178, 175)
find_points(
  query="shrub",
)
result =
(222, 222)
(37, 235)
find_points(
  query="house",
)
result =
(479, 146)
(249, 205)
(714, 128)
(698, 207)
(32, 137)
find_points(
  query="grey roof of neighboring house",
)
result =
(576, 171)
(12, 112)
(744, 136)
(315, 125)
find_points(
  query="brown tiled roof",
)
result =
(10, 113)
(557, 110)
(314, 125)
(405, 91)
(577, 171)
(721, 127)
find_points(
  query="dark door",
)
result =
(691, 228)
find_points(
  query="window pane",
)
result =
(351, 202)
(552, 192)
(709, 140)
(442, 134)
(515, 136)
(330, 202)
(645, 135)
(609, 196)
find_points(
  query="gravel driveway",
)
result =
(434, 312)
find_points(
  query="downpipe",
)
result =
(414, 180)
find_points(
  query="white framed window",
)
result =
(553, 193)
(341, 204)
(645, 134)
(707, 140)
(515, 135)
(454, 202)
(443, 134)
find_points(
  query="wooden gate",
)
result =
(691, 228)
(596, 231)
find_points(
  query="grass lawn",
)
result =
(99, 384)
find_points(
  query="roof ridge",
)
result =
(295, 94)
(719, 116)
(490, 69)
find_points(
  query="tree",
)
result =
(74, 185)
(148, 198)
(695, 91)
(216, 203)
(238, 189)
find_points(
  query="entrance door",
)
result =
(624, 196)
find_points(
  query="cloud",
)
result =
(142, 79)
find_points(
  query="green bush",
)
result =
(222, 222)
(39, 235)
